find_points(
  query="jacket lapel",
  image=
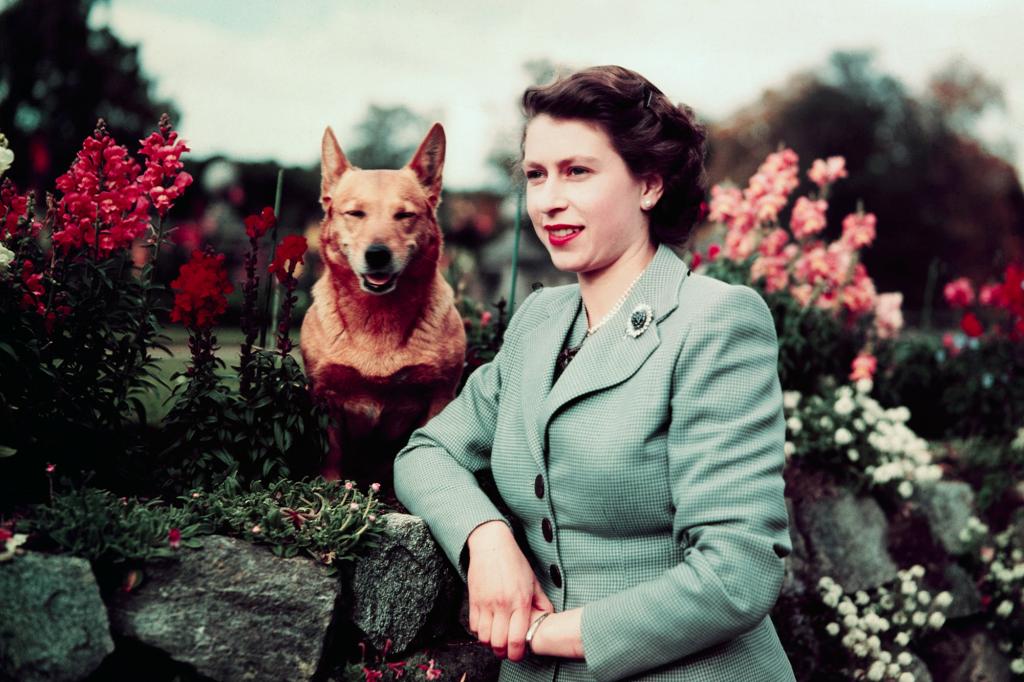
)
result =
(607, 358)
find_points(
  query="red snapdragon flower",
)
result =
(289, 254)
(971, 325)
(257, 224)
(163, 152)
(101, 187)
(201, 291)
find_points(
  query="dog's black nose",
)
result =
(378, 256)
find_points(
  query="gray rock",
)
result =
(846, 536)
(966, 598)
(970, 655)
(233, 610)
(401, 587)
(54, 625)
(948, 506)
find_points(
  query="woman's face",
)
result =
(584, 203)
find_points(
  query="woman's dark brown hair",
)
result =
(651, 134)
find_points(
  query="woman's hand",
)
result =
(503, 590)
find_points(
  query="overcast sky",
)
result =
(259, 79)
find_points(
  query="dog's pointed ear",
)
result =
(332, 165)
(428, 162)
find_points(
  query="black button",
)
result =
(545, 526)
(538, 486)
(556, 575)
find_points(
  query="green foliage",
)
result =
(96, 525)
(976, 391)
(993, 468)
(213, 432)
(485, 332)
(73, 379)
(330, 521)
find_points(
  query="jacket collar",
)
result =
(607, 358)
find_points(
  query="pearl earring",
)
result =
(647, 203)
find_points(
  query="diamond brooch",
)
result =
(639, 320)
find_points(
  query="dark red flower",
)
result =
(5, 535)
(257, 224)
(289, 254)
(695, 261)
(201, 291)
(971, 325)
(13, 208)
(174, 538)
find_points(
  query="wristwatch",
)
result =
(533, 629)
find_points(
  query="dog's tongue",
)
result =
(375, 279)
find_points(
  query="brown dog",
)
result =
(382, 342)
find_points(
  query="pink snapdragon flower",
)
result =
(825, 172)
(959, 293)
(859, 230)
(863, 366)
(888, 315)
(808, 217)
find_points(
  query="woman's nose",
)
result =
(551, 198)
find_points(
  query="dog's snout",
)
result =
(378, 256)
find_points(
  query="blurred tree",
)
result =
(57, 76)
(938, 194)
(387, 137)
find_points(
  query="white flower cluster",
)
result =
(975, 531)
(1004, 584)
(6, 158)
(6, 155)
(873, 439)
(876, 633)
(1018, 442)
(11, 546)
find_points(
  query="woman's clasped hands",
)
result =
(504, 594)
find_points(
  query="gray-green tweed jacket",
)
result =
(648, 479)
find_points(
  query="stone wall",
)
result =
(234, 611)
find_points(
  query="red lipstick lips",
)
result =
(559, 240)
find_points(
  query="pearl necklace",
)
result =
(615, 308)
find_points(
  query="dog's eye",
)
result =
(402, 215)
(356, 214)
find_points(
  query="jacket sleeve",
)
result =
(434, 474)
(725, 462)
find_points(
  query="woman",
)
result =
(632, 422)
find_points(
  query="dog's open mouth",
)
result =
(379, 283)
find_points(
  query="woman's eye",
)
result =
(573, 170)
(532, 174)
(356, 214)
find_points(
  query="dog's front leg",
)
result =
(331, 469)
(438, 400)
